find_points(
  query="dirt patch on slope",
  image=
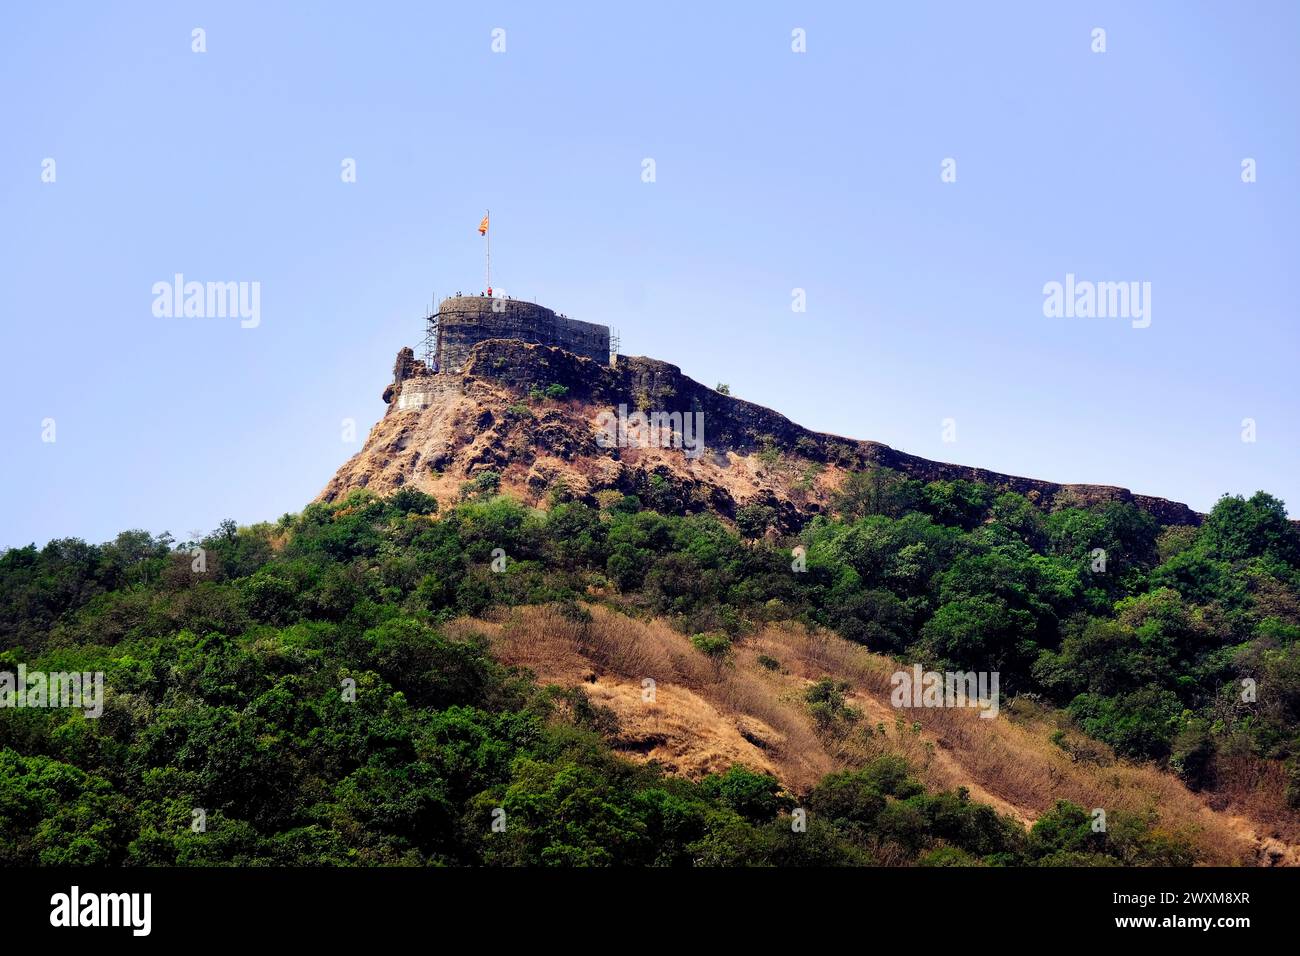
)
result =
(702, 717)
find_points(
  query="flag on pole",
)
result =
(483, 226)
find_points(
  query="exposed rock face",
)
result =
(441, 430)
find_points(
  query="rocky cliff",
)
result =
(496, 415)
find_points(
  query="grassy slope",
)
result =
(705, 716)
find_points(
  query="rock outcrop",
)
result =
(531, 412)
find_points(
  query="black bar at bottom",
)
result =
(238, 905)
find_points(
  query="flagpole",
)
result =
(488, 236)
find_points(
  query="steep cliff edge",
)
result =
(496, 415)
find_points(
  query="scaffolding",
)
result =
(433, 335)
(436, 315)
(431, 338)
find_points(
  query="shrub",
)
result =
(755, 796)
(826, 702)
(753, 520)
(714, 646)
(483, 485)
(553, 391)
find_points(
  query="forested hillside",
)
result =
(296, 682)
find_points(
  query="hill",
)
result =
(498, 639)
(497, 415)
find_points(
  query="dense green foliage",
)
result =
(298, 689)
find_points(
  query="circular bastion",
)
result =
(464, 321)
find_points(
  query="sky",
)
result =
(773, 171)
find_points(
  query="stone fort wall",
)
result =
(418, 392)
(465, 321)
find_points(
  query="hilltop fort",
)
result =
(515, 389)
(463, 321)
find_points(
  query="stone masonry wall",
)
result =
(465, 321)
(417, 393)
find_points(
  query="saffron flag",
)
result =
(482, 227)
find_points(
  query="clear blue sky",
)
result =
(775, 170)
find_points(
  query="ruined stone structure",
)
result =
(441, 429)
(417, 393)
(464, 321)
(525, 347)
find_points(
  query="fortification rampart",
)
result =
(465, 321)
(418, 392)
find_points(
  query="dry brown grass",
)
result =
(707, 716)
(704, 716)
(1257, 788)
(1013, 759)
